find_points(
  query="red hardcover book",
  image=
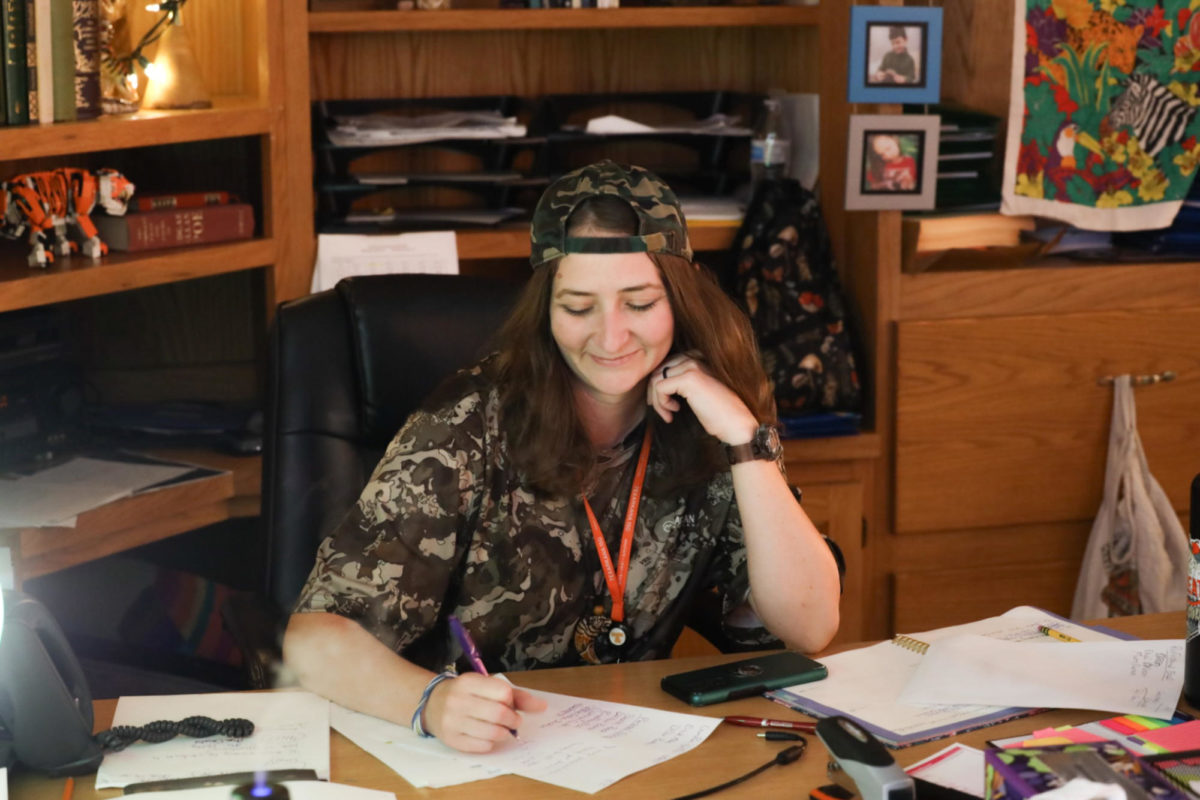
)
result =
(153, 202)
(176, 227)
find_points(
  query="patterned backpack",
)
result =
(788, 285)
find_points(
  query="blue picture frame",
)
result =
(913, 73)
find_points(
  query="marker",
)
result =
(781, 736)
(760, 722)
(472, 653)
(1053, 634)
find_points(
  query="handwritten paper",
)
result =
(291, 731)
(575, 743)
(298, 790)
(340, 255)
(1130, 677)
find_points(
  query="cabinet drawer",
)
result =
(1000, 421)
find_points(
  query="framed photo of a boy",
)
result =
(895, 54)
(892, 161)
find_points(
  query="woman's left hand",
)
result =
(716, 406)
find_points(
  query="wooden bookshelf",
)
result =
(482, 19)
(22, 286)
(229, 117)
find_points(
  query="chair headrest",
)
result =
(410, 332)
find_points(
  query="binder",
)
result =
(864, 684)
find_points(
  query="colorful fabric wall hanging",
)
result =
(1103, 126)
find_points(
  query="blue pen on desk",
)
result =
(471, 652)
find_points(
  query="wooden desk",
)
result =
(144, 518)
(728, 753)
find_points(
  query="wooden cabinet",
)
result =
(1001, 425)
(240, 52)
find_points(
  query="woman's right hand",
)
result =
(474, 712)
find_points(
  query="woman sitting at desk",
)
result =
(568, 497)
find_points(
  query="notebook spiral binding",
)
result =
(909, 643)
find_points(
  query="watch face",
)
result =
(766, 442)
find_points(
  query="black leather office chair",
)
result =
(346, 367)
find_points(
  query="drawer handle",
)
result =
(1141, 380)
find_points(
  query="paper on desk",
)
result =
(55, 496)
(340, 255)
(291, 731)
(575, 743)
(3, 783)
(421, 762)
(955, 767)
(298, 790)
(1130, 677)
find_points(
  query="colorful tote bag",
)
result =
(1103, 125)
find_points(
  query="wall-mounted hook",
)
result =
(1141, 380)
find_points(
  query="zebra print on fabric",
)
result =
(1155, 115)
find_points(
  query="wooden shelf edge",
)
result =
(1048, 289)
(475, 19)
(860, 446)
(227, 119)
(76, 278)
(514, 242)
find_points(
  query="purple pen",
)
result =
(468, 646)
(472, 654)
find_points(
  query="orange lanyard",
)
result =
(616, 579)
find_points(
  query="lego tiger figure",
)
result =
(48, 203)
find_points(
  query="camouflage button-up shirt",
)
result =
(446, 526)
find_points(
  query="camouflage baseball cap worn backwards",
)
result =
(661, 226)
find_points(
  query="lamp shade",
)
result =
(175, 80)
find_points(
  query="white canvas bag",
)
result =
(1137, 554)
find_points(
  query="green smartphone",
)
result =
(751, 676)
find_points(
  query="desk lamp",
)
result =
(45, 704)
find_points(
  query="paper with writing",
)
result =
(291, 731)
(1138, 677)
(575, 743)
(298, 790)
(866, 683)
(340, 255)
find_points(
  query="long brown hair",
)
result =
(545, 437)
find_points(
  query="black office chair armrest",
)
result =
(257, 629)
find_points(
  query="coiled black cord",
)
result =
(121, 736)
(786, 756)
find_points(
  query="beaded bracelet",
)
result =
(418, 724)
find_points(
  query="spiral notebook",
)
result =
(865, 684)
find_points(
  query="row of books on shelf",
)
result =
(51, 51)
(164, 221)
(157, 222)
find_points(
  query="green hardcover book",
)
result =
(16, 108)
(31, 104)
(62, 25)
